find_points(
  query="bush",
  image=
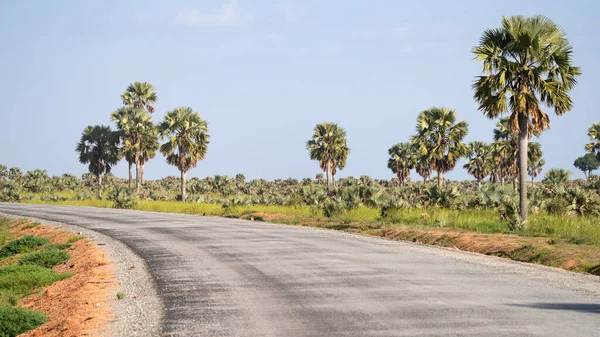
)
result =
(332, 207)
(556, 206)
(47, 258)
(23, 245)
(15, 321)
(10, 193)
(123, 198)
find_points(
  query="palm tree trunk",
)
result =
(478, 184)
(515, 184)
(99, 179)
(183, 187)
(532, 181)
(142, 176)
(130, 173)
(440, 178)
(523, 143)
(329, 175)
(137, 176)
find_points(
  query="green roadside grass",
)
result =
(572, 229)
(27, 264)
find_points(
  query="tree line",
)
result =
(526, 66)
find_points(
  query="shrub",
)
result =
(47, 258)
(556, 206)
(23, 245)
(83, 196)
(509, 212)
(123, 198)
(332, 207)
(10, 193)
(15, 321)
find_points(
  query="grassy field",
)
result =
(572, 229)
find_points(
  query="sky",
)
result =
(263, 74)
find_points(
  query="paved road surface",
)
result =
(222, 277)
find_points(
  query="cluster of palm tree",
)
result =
(437, 146)
(136, 138)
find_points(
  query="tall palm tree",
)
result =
(535, 169)
(594, 145)
(439, 138)
(534, 160)
(507, 148)
(187, 140)
(526, 63)
(98, 147)
(478, 158)
(140, 95)
(139, 137)
(329, 146)
(501, 153)
(402, 160)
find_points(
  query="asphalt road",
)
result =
(224, 277)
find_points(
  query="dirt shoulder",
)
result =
(86, 303)
(81, 304)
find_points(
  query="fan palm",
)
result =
(534, 160)
(557, 177)
(478, 161)
(187, 140)
(439, 139)
(98, 147)
(401, 160)
(329, 146)
(140, 95)
(594, 145)
(526, 63)
(139, 137)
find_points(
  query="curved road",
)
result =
(222, 277)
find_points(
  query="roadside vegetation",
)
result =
(25, 266)
(526, 67)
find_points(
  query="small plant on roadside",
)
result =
(123, 198)
(47, 258)
(15, 321)
(25, 244)
(120, 295)
(76, 238)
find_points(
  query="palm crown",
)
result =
(329, 146)
(140, 95)
(439, 138)
(187, 138)
(402, 160)
(98, 147)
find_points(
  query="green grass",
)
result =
(15, 321)
(120, 295)
(47, 258)
(74, 239)
(25, 244)
(19, 281)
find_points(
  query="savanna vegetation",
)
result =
(526, 68)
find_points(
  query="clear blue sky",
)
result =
(263, 73)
